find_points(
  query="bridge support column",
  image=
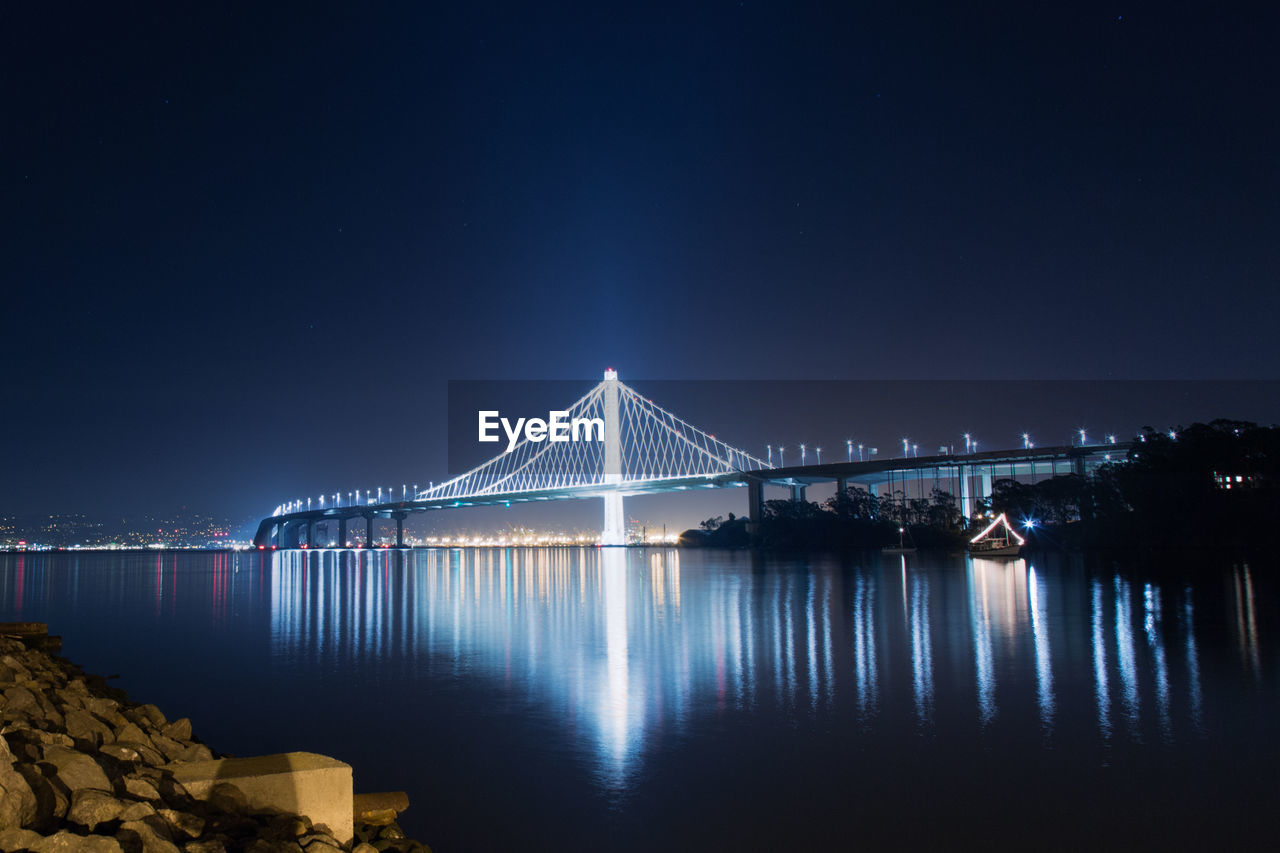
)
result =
(342, 533)
(842, 483)
(986, 483)
(797, 493)
(311, 534)
(615, 520)
(615, 528)
(966, 499)
(399, 517)
(755, 503)
(368, 531)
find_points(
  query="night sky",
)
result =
(244, 249)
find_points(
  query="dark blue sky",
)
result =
(245, 248)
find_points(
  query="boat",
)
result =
(900, 548)
(998, 539)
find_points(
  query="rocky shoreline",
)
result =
(82, 768)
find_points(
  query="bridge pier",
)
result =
(966, 501)
(797, 493)
(842, 483)
(311, 533)
(399, 517)
(342, 533)
(755, 503)
(368, 530)
(615, 519)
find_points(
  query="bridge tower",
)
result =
(615, 520)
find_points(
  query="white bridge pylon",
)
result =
(645, 447)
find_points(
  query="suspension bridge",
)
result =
(647, 449)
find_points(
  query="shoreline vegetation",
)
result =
(83, 768)
(1211, 485)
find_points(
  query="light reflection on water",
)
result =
(622, 640)
(634, 656)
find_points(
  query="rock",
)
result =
(364, 847)
(195, 752)
(54, 738)
(178, 729)
(137, 811)
(75, 770)
(83, 726)
(140, 835)
(262, 845)
(20, 699)
(51, 800)
(120, 752)
(104, 708)
(152, 713)
(90, 807)
(142, 789)
(170, 747)
(15, 666)
(69, 842)
(19, 839)
(188, 824)
(129, 733)
(207, 845)
(17, 800)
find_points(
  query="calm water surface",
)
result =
(662, 699)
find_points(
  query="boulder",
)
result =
(187, 824)
(21, 699)
(17, 800)
(178, 729)
(141, 835)
(141, 788)
(130, 733)
(217, 844)
(120, 752)
(84, 726)
(69, 842)
(19, 839)
(90, 807)
(137, 811)
(75, 770)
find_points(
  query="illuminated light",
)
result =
(1029, 523)
(1173, 435)
(1083, 438)
(260, 547)
(997, 521)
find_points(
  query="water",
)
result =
(681, 700)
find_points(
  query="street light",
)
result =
(802, 454)
(848, 446)
(769, 447)
(1026, 441)
(915, 450)
(1082, 438)
(968, 444)
(906, 447)
(818, 450)
(782, 459)
(859, 452)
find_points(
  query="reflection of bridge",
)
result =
(646, 449)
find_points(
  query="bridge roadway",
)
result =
(971, 473)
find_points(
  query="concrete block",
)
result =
(301, 783)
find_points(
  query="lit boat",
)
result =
(999, 539)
